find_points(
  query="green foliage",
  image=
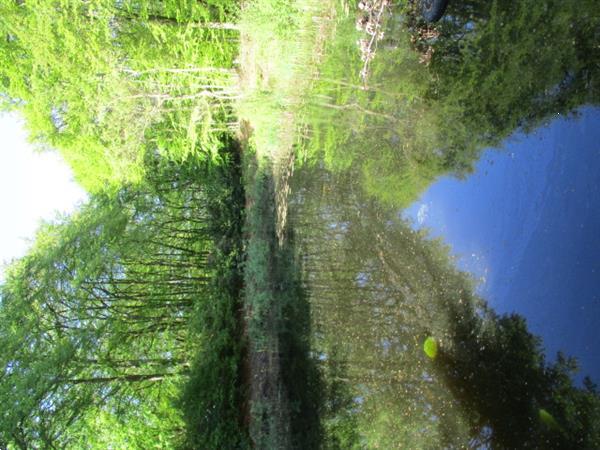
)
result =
(381, 295)
(280, 53)
(505, 383)
(137, 303)
(379, 130)
(106, 82)
(95, 319)
(285, 396)
(503, 67)
(437, 95)
(213, 398)
(340, 421)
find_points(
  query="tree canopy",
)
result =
(95, 319)
(105, 82)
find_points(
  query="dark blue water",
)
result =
(527, 225)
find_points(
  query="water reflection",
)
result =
(284, 393)
(378, 289)
(493, 68)
(412, 356)
(526, 224)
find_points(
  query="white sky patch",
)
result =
(33, 187)
(423, 213)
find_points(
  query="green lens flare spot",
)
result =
(430, 347)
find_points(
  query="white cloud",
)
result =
(423, 213)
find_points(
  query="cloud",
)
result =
(423, 213)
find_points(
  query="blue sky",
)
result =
(526, 223)
(34, 186)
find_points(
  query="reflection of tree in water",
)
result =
(502, 66)
(284, 391)
(377, 290)
(494, 68)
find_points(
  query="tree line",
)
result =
(97, 320)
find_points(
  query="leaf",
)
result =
(430, 347)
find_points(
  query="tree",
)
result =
(95, 318)
(440, 94)
(95, 79)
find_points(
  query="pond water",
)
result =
(526, 224)
(446, 211)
